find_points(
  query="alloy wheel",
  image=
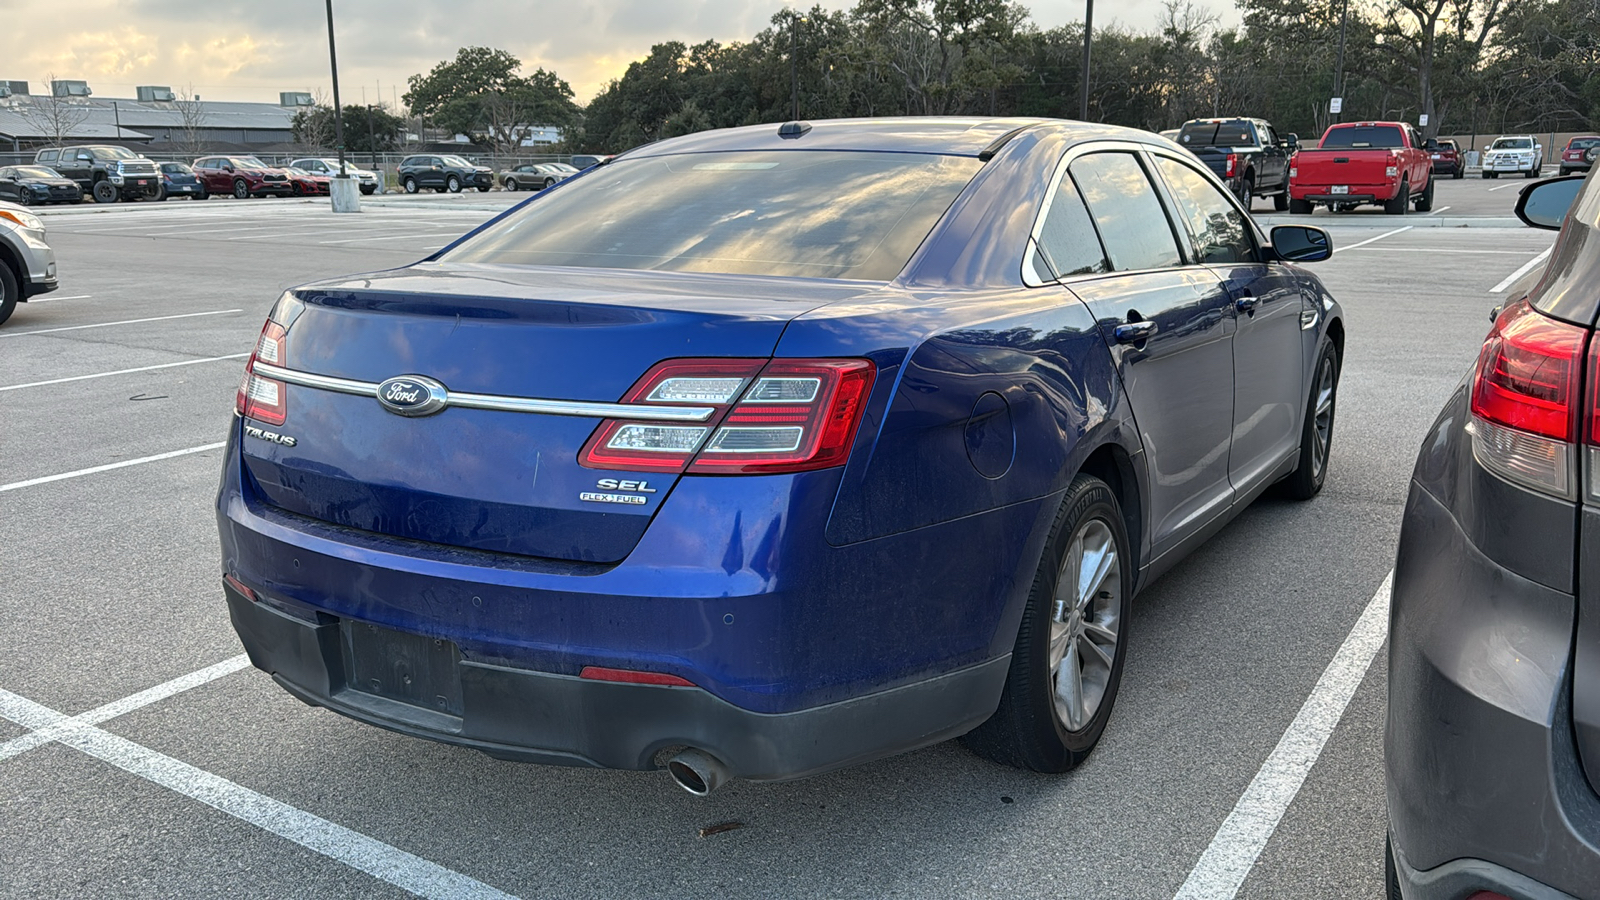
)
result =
(1322, 426)
(1085, 624)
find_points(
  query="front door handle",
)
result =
(1134, 332)
(1246, 303)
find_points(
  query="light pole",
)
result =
(342, 190)
(794, 67)
(1338, 69)
(1088, 36)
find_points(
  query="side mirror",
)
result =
(1301, 243)
(1544, 204)
(1290, 142)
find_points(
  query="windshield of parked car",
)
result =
(35, 172)
(455, 161)
(1363, 137)
(249, 162)
(1512, 144)
(817, 213)
(112, 153)
(563, 167)
(1237, 133)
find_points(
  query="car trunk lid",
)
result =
(491, 479)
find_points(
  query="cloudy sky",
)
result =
(230, 50)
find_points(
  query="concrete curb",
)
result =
(1357, 220)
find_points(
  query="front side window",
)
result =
(1126, 211)
(1217, 228)
(799, 213)
(1067, 239)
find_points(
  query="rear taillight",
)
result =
(768, 416)
(1525, 397)
(264, 399)
(1233, 165)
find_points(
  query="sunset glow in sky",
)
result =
(230, 50)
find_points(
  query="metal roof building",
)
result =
(26, 119)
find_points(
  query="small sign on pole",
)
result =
(1336, 105)
(1422, 121)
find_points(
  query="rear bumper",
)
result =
(543, 717)
(1485, 788)
(1358, 193)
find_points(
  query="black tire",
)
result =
(453, 184)
(1316, 434)
(368, 189)
(1425, 202)
(1280, 201)
(548, 182)
(409, 184)
(1401, 202)
(1391, 874)
(241, 190)
(10, 292)
(202, 196)
(106, 192)
(1493, 174)
(76, 198)
(1247, 191)
(1458, 173)
(1532, 173)
(511, 184)
(23, 198)
(1027, 729)
(1300, 207)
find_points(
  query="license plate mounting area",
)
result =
(408, 668)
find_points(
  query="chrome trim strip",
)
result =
(630, 411)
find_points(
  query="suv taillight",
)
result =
(1525, 397)
(768, 416)
(261, 398)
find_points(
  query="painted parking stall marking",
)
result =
(16, 334)
(18, 485)
(171, 365)
(1227, 861)
(404, 870)
(1523, 270)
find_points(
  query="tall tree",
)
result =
(481, 94)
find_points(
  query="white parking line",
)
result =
(404, 870)
(1437, 211)
(48, 299)
(218, 312)
(1502, 187)
(53, 732)
(171, 365)
(1378, 238)
(18, 485)
(1511, 279)
(390, 237)
(1227, 861)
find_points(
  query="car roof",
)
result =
(947, 135)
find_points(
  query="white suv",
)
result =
(1513, 153)
(317, 165)
(27, 264)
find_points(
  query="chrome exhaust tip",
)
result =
(697, 772)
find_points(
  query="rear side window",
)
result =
(804, 213)
(1127, 213)
(1067, 241)
(1217, 227)
(47, 156)
(1363, 137)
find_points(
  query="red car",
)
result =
(1447, 160)
(242, 177)
(307, 184)
(1579, 154)
(1363, 162)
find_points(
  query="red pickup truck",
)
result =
(1363, 162)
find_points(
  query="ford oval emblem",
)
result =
(413, 395)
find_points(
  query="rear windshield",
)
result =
(1512, 144)
(1363, 137)
(1584, 143)
(821, 214)
(1217, 134)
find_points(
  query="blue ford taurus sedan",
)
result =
(757, 453)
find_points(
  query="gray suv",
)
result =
(1492, 750)
(27, 264)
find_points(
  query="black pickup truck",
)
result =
(106, 173)
(1246, 153)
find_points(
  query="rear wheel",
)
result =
(410, 185)
(1397, 205)
(1280, 201)
(1246, 191)
(1300, 207)
(10, 292)
(202, 195)
(1425, 202)
(1068, 658)
(1391, 874)
(105, 192)
(1316, 435)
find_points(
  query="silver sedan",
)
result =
(535, 176)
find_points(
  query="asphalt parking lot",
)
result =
(140, 756)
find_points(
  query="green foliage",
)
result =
(367, 129)
(481, 94)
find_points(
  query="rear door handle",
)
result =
(1134, 332)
